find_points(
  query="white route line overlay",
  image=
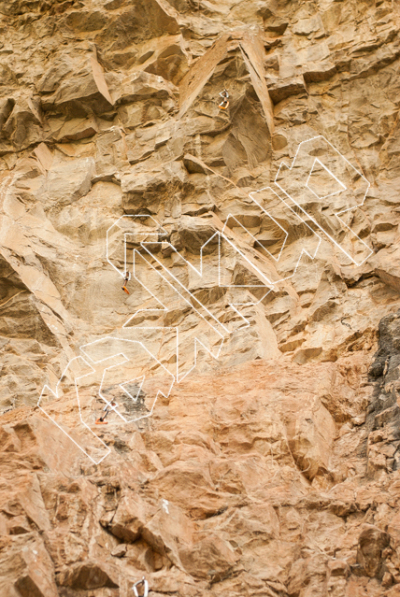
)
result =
(192, 299)
(124, 383)
(286, 233)
(56, 394)
(339, 213)
(107, 402)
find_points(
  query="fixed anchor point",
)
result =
(145, 586)
(101, 420)
(224, 104)
(126, 280)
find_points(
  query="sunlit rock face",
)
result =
(249, 372)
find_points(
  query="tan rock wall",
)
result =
(254, 446)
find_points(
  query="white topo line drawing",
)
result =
(348, 197)
(114, 358)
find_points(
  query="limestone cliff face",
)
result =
(252, 446)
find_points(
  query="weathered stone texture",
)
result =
(274, 469)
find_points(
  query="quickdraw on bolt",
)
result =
(145, 586)
(224, 104)
(126, 280)
(101, 420)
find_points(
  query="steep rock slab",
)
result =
(203, 69)
(88, 576)
(27, 569)
(170, 532)
(86, 89)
